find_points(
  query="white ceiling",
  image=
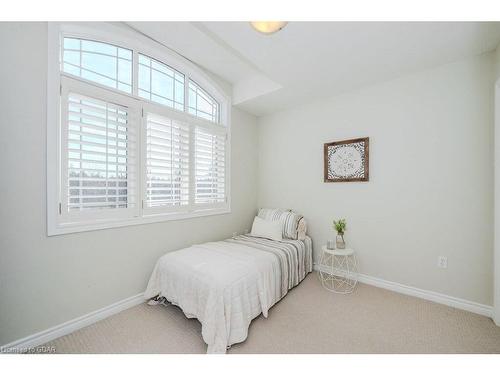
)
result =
(311, 60)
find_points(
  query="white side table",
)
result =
(338, 270)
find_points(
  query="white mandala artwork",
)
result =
(346, 160)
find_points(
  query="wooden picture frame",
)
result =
(347, 161)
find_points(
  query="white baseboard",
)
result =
(63, 329)
(443, 299)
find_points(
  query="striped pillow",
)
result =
(272, 213)
(301, 229)
(289, 220)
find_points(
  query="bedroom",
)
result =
(242, 188)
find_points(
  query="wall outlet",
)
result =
(442, 261)
(235, 234)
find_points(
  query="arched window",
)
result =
(98, 62)
(140, 139)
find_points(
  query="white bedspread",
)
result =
(218, 280)
(223, 284)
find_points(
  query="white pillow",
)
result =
(266, 229)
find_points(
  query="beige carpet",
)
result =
(308, 320)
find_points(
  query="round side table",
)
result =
(338, 270)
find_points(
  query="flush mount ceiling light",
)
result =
(268, 27)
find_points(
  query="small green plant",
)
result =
(340, 226)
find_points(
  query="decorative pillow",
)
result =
(290, 224)
(289, 220)
(266, 229)
(302, 229)
(272, 213)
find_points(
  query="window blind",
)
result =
(132, 139)
(210, 166)
(167, 162)
(100, 155)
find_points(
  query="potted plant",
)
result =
(340, 226)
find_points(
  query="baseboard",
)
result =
(443, 299)
(63, 329)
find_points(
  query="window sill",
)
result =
(66, 228)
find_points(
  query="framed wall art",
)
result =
(346, 161)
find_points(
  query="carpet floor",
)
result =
(308, 320)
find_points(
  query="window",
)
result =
(167, 163)
(99, 144)
(201, 104)
(160, 83)
(98, 62)
(210, 167)
(99, 148)
(132, 148)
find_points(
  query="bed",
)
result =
(228, 283)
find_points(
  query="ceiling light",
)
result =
(268, 27)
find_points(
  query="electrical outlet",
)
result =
(442, 261)
(235, 234)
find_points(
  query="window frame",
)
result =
(151, 85)
(62, 50)
(121, 36)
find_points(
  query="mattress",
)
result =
(226, 284)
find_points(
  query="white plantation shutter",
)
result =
(99, 155)
(167, 163)
(209, 167)
(131, 139)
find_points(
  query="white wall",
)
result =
(431, 185)
(497, 63)
(47, 281)
(496, 310)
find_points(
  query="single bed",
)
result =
(226, 284)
